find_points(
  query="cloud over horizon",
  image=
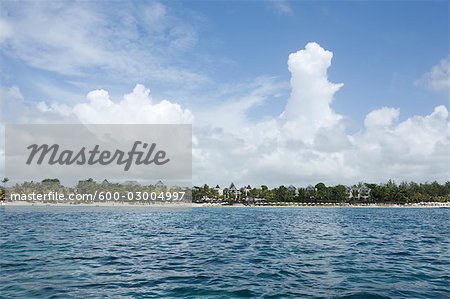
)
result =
(307, 143)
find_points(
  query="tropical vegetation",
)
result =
(389, 192)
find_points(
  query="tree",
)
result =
(338, 193)
(253, 193)
(281, 193)
(291, 194)
(302, 194)
(322, 191)
(321, 187)
(267, 193)
(4, 181)
(86, 186)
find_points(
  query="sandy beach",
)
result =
(329, 205)
(96, 204)
(220, 205)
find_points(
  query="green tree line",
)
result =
(389, 192)
(88, 186)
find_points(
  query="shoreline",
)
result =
(419, 205)
(94, 204)
(220, 205)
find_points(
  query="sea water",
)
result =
(87, 252)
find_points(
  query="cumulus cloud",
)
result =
(307, 143)
(417, 148)
(308, 107)
(136, 107)
(438, 78)
(383, 117)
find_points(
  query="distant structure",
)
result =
(233, 192)
(247, 190)
(218, 190)
(160, 184)
(361, 192)
(349, 192)
(364, 192)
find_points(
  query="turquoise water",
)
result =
(224, 252)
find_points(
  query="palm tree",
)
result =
(4, 181)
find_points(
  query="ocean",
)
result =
(90, 252)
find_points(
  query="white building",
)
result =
(218, 190)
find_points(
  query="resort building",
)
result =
(364, 192)
(233, 192)
(361, 192)
(349, 192)
(247, 190)
(218, 190)
(160, 184)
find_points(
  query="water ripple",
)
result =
(224, 253)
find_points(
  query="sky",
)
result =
(278, 92)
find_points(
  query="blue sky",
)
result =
(207, 55)
(381, 48)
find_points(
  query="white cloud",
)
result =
(136, 107)
(438, 78)
(306, 144)
(308, 107)
(309, 143)
(230, 111)
(383, 117)
(281, 7)
(417, 148)
(14, 108)
(81, 39)
(11, 102)
(5, 30)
